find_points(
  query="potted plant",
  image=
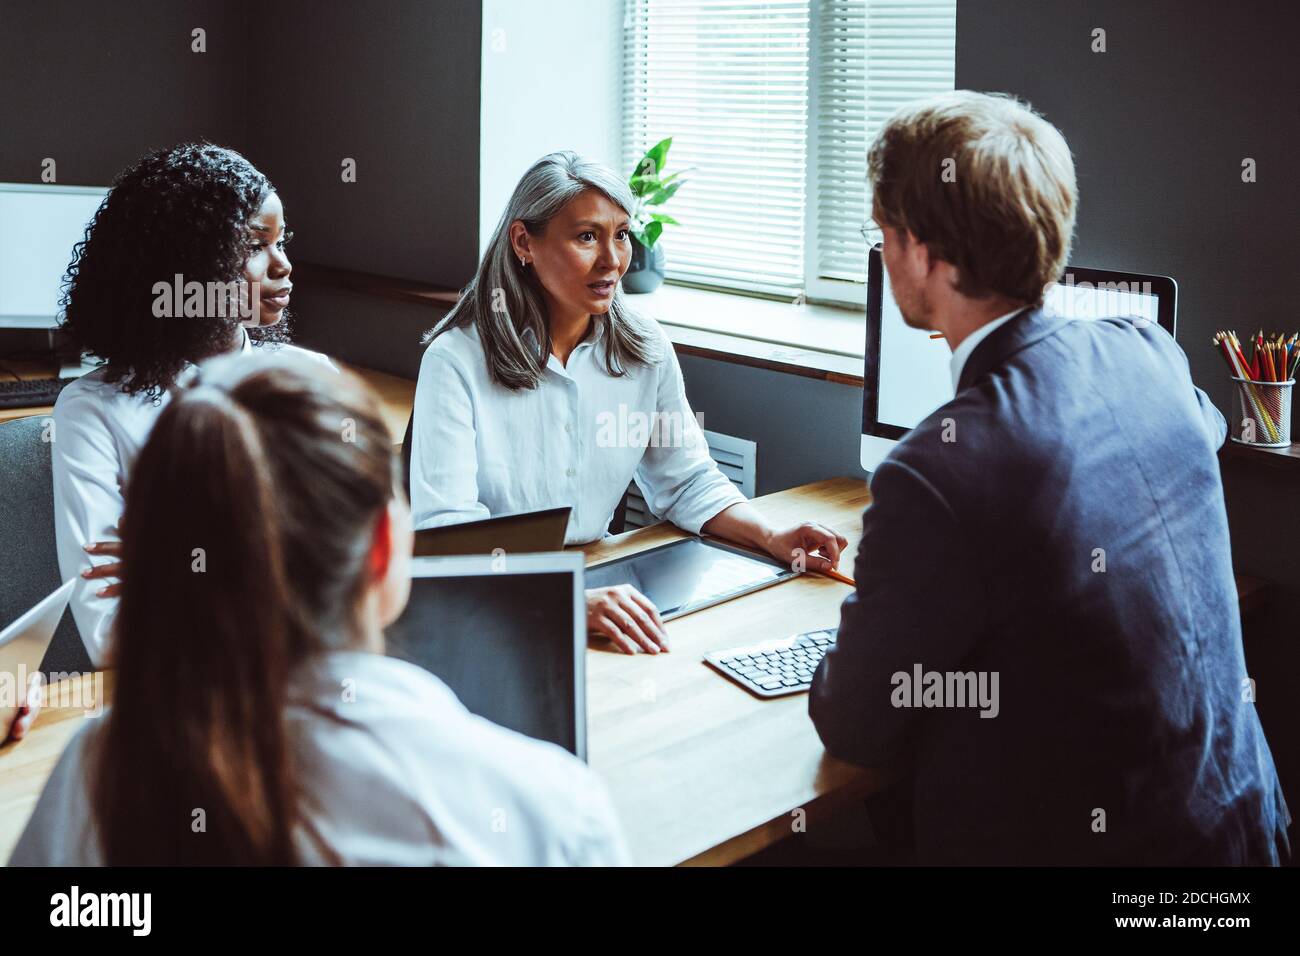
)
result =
(651, 188)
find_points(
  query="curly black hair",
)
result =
(183, 210)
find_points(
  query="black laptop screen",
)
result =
(504, 643)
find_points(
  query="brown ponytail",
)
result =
(248, 518)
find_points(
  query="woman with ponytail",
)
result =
(255, 717)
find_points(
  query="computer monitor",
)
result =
(906, 373)
(39, 225)
(508, 634)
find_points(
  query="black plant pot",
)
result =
(646, 273)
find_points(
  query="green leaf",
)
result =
(663, 194)
(643, 185)
(651, 234)
(652, 163)
(639, 184)
(664, 218)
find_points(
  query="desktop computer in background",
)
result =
(906, 373)
(39, 226)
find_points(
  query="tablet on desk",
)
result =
(23, 645)
(691, 574)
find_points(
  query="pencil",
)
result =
(842, 578)
(1245, 367)
(1237, 362)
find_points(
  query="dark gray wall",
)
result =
(365, 330)
(806, 429)
(296, 86)
(95, 85)
(1159, 125)
(395, 86)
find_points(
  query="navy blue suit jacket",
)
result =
(1059, 523)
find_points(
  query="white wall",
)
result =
(550, 80)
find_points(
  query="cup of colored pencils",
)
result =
(1263, 385)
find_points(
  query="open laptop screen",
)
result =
(510, 642)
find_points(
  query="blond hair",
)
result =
(985, 183)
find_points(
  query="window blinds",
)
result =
(774, 105)
(728, 80)
(871, 58)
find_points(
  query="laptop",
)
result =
(529, 532)
(508, 635)
(23, 645)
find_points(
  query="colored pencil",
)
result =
(1240, 369)
(842, 578)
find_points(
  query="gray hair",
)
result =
(504, 300)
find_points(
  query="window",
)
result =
(773, 104)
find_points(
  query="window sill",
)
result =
(815, 341)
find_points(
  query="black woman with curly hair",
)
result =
(184, 260)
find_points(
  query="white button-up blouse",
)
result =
(579, 438)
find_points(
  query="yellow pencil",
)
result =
(842, 578)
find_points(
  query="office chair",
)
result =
(27, 539)
(619, 522)
(406, 455)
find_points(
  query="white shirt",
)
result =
(98, 433)
(962, 352)
(399, 774)
(579, 438)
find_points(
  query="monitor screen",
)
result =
(39, 225)
(504, 641)
(908, 373)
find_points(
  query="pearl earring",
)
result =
(523, 263)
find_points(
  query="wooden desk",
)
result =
(396, 395)
(1286, 459)
(700, 771)
(26, 765)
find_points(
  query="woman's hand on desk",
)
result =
(113, 569)
(816, 544)
(819, 546)
(627, 617)
(27, 710)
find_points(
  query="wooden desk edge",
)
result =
(864, 783)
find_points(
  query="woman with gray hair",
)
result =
(542, 388)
